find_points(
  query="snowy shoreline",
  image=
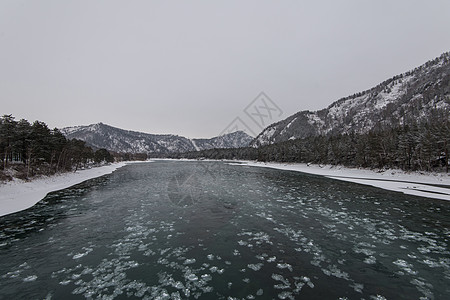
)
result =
(19, 195)
(429, 185)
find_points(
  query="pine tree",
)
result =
(7, 129)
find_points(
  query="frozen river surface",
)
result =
(209, 230)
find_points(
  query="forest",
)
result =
(411, 147)
(27, 150)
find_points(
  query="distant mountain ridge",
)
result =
(415, 95)
(119, 140)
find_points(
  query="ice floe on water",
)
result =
(87, 250)
(189, 261)
(255, 267)
(405, 267)
(284, 282)
(30, 278)
(285, 237)
(284, 266)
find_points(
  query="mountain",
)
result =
(119, 140)
(414, 96)
(236, 139)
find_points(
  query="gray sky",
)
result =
(191, 67)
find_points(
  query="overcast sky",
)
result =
(191, 67)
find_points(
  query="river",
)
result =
(211, 230)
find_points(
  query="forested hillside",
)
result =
(29, 149)
(416, 95)
(404, 122)
(415, 146)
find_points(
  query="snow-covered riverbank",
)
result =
(19, 195)
(412, 183)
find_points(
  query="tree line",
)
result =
(415, 147)
(33, 149)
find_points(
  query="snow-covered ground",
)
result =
(18, 195)
(413, 183)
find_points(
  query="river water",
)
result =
(211, 230)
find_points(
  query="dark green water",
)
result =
(209, 230)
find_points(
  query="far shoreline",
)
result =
(417, 183)
(423, 184)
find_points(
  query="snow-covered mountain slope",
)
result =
(119, 140)
(416, 95)
(236, 139)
